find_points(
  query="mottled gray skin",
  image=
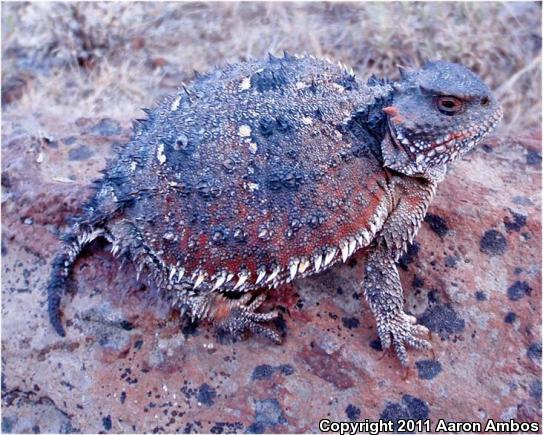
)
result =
(266, 171)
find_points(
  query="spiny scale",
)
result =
(296, 267)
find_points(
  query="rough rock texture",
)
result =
(473, 277)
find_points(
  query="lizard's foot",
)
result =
(243, 317)
(399, 330)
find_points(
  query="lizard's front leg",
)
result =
(383, 290)
(382, 286)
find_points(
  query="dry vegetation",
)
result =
(110, 59)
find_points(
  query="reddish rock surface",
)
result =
(128, 364)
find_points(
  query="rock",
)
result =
(409, 408)
(428, 369)
(518, 290)
(263, 371)
(352, 412)
(493, 243)
(268, 413)
(14, 87)
(437, 224)
(106, 127)
(129, 365)
(82, 152)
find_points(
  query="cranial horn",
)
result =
(405, 72)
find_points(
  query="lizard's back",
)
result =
(253, 168)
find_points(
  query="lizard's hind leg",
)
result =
(233, 317)
(241, 315)
(74, 243)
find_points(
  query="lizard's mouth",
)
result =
(425, 150)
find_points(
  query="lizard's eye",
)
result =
(449, 105)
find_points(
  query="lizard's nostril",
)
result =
(484, 101)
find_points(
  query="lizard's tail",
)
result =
(60, 273)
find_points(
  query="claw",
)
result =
(385, 352)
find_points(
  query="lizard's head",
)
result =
(437, 114)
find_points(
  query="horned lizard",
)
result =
(265, 171)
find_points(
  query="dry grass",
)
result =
(110, 59)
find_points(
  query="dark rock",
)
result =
(417, 408)
(410, 256)
(515, 223)
(7, 425)
(206, 395)
(534, 352)
(69, 140)
(437, 224)
(409, 408)
(82, 152)
(443, 320)
(256, 428)
(190, 328)
(107, 127)
(493, 243)
(350, 322)
(518, 290)
(510, 317)
(451, 261)
(486, 148)
(269, 413)
(126, 325)
(263, 371)
(535, 389)
(481, 296)
(286, 369)
(14, 87)
(376, 345)
(353, 412)
(418, 282)
(533, 158)
(428, 369)
(106, 422)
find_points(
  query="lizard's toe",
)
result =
(401, 330)
(263, 331)
(401, 352)
(243, 317)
